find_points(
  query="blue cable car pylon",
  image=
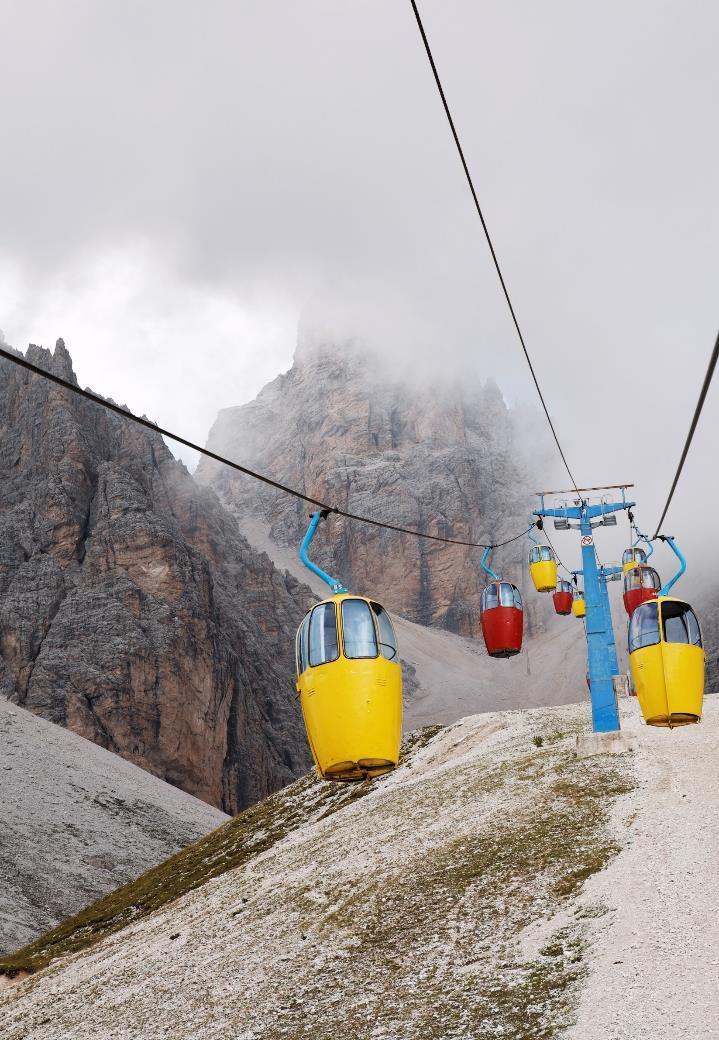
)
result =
(601, 647)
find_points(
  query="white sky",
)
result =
(179, 182)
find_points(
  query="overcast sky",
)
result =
(180, 181)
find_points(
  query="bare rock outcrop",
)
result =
(131, 609)
(444, 460)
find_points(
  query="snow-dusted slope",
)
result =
(495, 885)
(76, 822)
(421, 905)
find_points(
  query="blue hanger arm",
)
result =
(485, 567)
(335, 585)
(647, 541)
(665, 589)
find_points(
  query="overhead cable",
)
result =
(124, 413)
(489, 239)
(559, 561)
(687, 444)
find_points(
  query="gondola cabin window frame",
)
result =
(351, 607)
(643, 626)
(541, 554)
(683, 613)
(500, 594)
(323, 608)
(302, 647)
(384, 626)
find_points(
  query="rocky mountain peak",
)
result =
(131, 609)
(441, 457)
(58, 361)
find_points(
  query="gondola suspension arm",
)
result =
(664, 591)
(336, 586)
(484, 565)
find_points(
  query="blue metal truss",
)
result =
(601, 647)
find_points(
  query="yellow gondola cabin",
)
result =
(666, 658)
(349, 682)
(543, 568)
(579, 605)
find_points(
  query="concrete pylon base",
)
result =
(615, 743)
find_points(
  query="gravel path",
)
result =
(655, 956)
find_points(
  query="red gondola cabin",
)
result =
(562, 597)
(502, 619)
(641, 584)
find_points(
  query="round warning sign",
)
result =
(587, 539)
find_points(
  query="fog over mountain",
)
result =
(266, 162)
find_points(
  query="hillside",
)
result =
(494, 885)
(131, 609)
(77, 822)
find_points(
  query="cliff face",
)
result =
(131, 609)
(444, 461)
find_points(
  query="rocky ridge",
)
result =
(132, 611)
(446, 460)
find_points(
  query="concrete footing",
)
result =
(615, 743)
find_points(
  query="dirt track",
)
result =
(655, 955)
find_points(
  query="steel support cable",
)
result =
(687, 444)
(498, 269)
(124, 413)
(559, 561)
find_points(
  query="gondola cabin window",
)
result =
(387, 638)
(358, 631)
(490, 598)
(641, 577)
(302, 645)
(509, 596)
(540, 554)
(680, 624)
(324, 646)
(644, 626)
